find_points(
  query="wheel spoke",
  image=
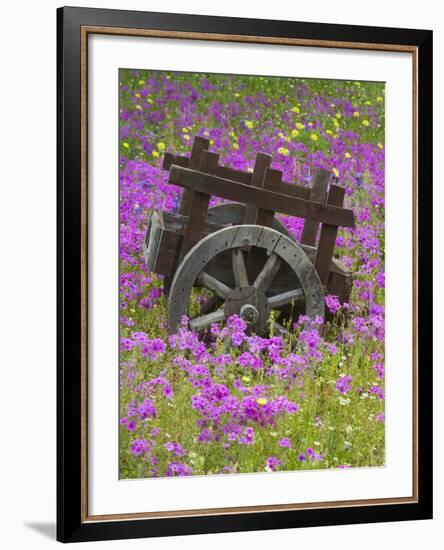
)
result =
(285, 298)
(219, 288)
(268, 273)
(239, 268)
(282, 331)
(204, 321)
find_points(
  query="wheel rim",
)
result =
(279, 247)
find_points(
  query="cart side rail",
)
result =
(208, 184)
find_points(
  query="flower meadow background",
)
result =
(238, 403)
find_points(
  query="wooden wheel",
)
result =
(249, 299)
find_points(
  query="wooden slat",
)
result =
(340, 281)
(255, 262)
(260, 198)
(197, 215)
(272, 182)
(293, 190)
(235, 175)
(200, 144)
(327, 239)
(318, 193)
(169, 159)
(261, 164)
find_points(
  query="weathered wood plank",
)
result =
(294, 190)
(260, 198)
(272, 181)
(176, 223)
(340, 281)
(318, 193)
(169, 159)
(226, 172)
(233, 174)
(197, 215)
(327, 239)
(199, 145)
(261, 164)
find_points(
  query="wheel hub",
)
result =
(250, 304)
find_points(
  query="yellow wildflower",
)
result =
(281, 134)
(368, 103)
(249, 124)
(294, 133)
(237, 94)
(149, 100)
(141, 82)
(365, 122)
(329, 132)
(161, 146)
(155, 153)
(137, 95)
(300, 126)
(336, 172)
(139, 107)
(338, 115)
(126, 145)
(296, 109)
(380, 146)
(314, 137)
(185, 130)
(236, 145)
(283, 151)
(379, 99)
(211, 141)
(261, 401)
(186, 137)
(347, 155)
(357, 84)
(356, 114)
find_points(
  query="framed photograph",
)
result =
(244, 274)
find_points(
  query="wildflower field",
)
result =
(236, 402)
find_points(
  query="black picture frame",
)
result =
(71, 523)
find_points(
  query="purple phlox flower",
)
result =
(379, 369)
(272, 463)
(285, 443)
(333, 304)
(343, 384)
(178, 469)
(174, 448)
(139, 447)
(249, 360)
(378, 391)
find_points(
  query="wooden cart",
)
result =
(239, 250)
